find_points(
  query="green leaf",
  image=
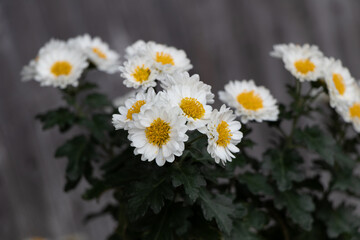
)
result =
(283, 167)
(190, 178)
(98, 125)
(255, 218)
(171, 221)
(256, 183)
(339, 221)
(61, 117)
(219, 208)
(298, 207)
(347, 182)
(323, 144)
(97, 100)
(317, 141)
(149, 193)
(78, 150)
(242, 232)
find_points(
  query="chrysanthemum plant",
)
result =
(178, 169)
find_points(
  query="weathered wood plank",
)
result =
(224, 39)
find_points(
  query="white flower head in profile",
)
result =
(223, 135)
(28, 72)
(60, 66)
(250, 101)
(168, 60)
(98, 52)
(158, 133)
(341, 85)
(349, 109)
(132, 107)
(303, 62)
(137, 49)
(185, 78)
(139, 72)
(191, 98)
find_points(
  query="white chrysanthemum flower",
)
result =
(250, 101)
(139, 72)
(29, 71)
(185, 78)
(137, 49)
(349, 109)
(341, 85)
(304, 62)
(223, 135)
(60, 67)
(98, 52)
(168, 60)
(191, 99)
(158, 132)
(132, 106)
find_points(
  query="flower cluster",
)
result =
(158, 123)
(61, 63)
(308, 63)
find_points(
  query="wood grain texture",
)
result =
(224, 40)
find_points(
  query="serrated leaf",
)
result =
(190, 178)
(219, 208)
(346, 182)
(97, 100)
(339, 221)
(323, 144)
(98, 125)
(61, 117)
(317, 141)
(241, 231)
(149, 193)
(78, 150)
(298, 208)
(256, 183)
(171, 221)
(283, 167)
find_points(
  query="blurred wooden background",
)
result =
(224, 40)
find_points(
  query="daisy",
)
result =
(168, 60)
(131, 107)
(223, 135)
(139, 72)
(190, 97)
(340, 83)
(350, 111)
(186, 79)
(250, 101)
(304, 62)
(137, 49)
(158, 132)
(29, 71)
(60, 67)
(98, 52)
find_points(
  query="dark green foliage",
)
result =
(193, 198)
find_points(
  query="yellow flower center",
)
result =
(164, 58)
(355, 110)
(135, 108)
(304, 66)
(192, 107)
(61, 68)
(339, 83)
(250, 100)
(158, 133)
(224, 134)
(100, 53)
(141, 74)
